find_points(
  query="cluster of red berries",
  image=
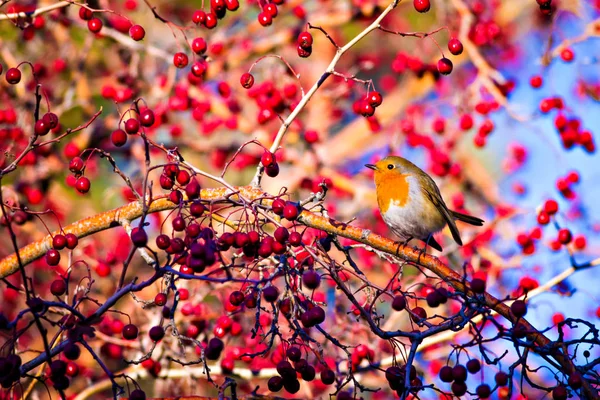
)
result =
(179, 180)
(94, 24)
(572, 133)
(396, 378)
(82, 183)
(565, 184)
(10, 370)
(549, 209)
(484, 31)
(132, 127)
(457, 375)
(268, 13)
(270, 99)
(27, 24)
(417, 314)
(366, 107)
(564, 235)
(218, 10)
(287, 377)
(59, 242)
(304, 42)
(269, 161)
(527, 240)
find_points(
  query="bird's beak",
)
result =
(371, 166)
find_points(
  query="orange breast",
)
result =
(391, 187)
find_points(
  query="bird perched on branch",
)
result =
(411, 204)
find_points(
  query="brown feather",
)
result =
(469, 219)
(438, 202)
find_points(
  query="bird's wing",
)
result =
(433, 193)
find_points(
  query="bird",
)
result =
(411, 203)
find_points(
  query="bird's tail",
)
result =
(469, 219)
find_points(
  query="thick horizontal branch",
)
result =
(94, 224)
(134, 210)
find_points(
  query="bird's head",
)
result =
(392, 166)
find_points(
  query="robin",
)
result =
(411, 204)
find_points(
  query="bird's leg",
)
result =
(424, 249)
(403, 244)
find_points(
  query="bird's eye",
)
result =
(390, 166)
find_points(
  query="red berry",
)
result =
(136, 32)
(573, 177)
(466, 122)
(567, 55)
(543, 218)
(444, 66)
(271, 9)
(422, 6)
(519, 308)
(366, 109)
(305, 40)
(264, 18)
(139, 237)
(247, 80)
(374, 99)
(41, 128)
(304, 52)
(217, 5)
(132, 126)
(546, 105)
(118, 137)
(278, 206)
(455, 46)
(95, 25)
(130, 332)
(199, 45)
(564, 236)
(199, 68)
(295, 239)
(418, 313)
(211, 20)
(72, 241)
(156, 333)
(147, 118)
(82, 184)
(560, 393)
(160, 299)
(52, 257)
(290, 211)
(536, 81)
(473, 366)
(59, 242)
(232, 5)
(272, 170)
(439, 125)
(268, 158)
(551, 207)
(199, 17)
(13, 76)
(311, 136)
(579, 242)
(180, 60)
(478, 285)
(399, 303)
(85, 14)
(51, 119)
(58, 287)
